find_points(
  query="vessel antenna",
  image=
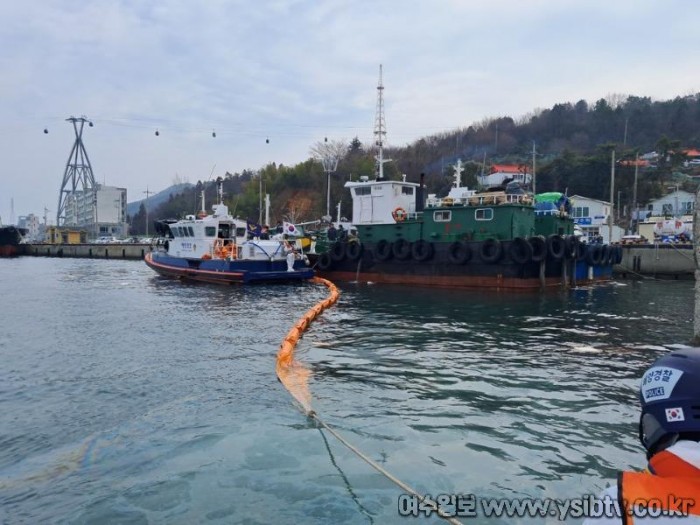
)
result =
(77, 178)
(380, 128)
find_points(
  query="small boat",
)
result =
(219, 248)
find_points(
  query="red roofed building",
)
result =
(498, 173)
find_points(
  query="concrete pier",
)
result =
(662, 260)
(88, 251)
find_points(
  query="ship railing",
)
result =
(556, 213)
(481, 199)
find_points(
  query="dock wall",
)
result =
(662, 260)
(88, 251)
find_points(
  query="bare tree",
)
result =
(329, 153)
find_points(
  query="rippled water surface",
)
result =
(127, 398)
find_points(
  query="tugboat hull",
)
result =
(468, 265)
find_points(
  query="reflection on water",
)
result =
(129, 397)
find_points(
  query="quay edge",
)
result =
(135, 251)
(659, 260)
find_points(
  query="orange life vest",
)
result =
(671, 489)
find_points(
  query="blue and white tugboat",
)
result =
(218, 248)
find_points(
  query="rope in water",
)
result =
(294, 377)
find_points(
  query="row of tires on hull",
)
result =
(520, 250)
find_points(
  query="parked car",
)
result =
(105, 240)
(633, 239)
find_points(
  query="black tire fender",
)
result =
(382, 251)
(539, 248)
(401, 249)
(556, 246)
(520, 251)
(324, 261)
(354, 250)
(491, 250)
(422, 250)
(337, 251)
(459, 252)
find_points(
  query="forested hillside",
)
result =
(573, 144)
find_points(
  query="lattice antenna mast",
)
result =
(78, 173)
(380, 127)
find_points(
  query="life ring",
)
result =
(539, 248)
(459, 252)
(520, 251)
(491, 250)
(338, 251)
(556, 246)
(401, 249)
(354, 250)
(383, 250)
(399, 214)
(422, 250)
(324, 261)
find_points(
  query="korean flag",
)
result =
(674, 414)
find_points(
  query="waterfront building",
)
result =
(102, 212)
(592, 217)
(499, 173)
(33, 225)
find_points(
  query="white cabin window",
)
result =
(191, 231)
(442, 216)
(667, 209)
(363, 190)
(484, 214)
(210, 231)
(407, 190)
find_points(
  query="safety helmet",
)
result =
(670, 397)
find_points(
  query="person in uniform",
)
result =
(668, 491)
(291, 253)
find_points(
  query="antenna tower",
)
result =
(380, 127)
(77, 177)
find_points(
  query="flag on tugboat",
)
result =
(290, 229)
(253, 228)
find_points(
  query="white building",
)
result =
(669, 216)
(33, 226)
(592, 217)
(674, 204)
(499, 173)
(102, 213)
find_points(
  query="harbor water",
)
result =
(128, 398)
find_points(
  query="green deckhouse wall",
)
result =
(508, 222)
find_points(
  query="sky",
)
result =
(273, 77)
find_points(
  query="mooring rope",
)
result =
(294, 376)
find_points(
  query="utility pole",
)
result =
(634, 196)
(534, 192)
(612, 197)
(696, 250)
(148, 193)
